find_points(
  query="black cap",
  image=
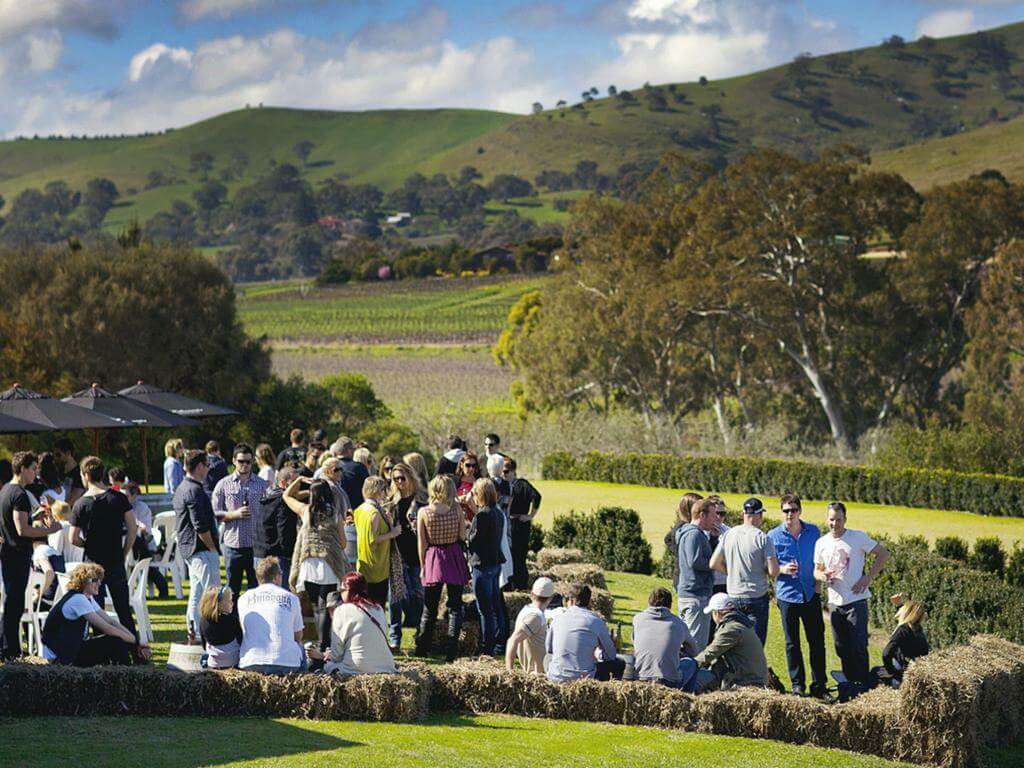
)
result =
(753, 506)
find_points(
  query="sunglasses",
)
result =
(506, 471)
(470, 466)
(243, 461)
(790, 510)
(92, 581)
(400, 478)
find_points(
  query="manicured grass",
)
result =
(452, 740)
(657, 508)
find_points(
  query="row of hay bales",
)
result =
(953, 707)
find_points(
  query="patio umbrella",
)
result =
(174, 402)
(131, 412)
(49, 413)
(9, 425)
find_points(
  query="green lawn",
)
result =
(657, 508)
(451, 740)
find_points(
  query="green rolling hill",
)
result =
(885, 99)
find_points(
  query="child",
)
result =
(220, 629)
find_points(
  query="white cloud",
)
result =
(94, 16)
(148, 59)
(44, 50)
(194, 10)
(946, 23)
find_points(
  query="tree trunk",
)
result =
(723, 425)
(836, 423)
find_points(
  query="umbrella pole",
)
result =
(145, 459)
(96, 442)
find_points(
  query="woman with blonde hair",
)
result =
(419, 467)
(407, 496)
(486, 534)
(266, 461)
(61, 540)
(908, 641)
(68, 622)
(363, 456)
(440, 530)
(222, 633)
(174, 472)
(375, 530)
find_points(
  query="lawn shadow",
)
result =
(100, 742)
(463, 721)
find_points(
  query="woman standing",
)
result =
(265, 460)
(441, 529)
(174, 472)
(407, 496)
(468, 473)
(375, 530)
(486, 533)
(319, 559)
(419, 467)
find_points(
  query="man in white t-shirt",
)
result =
(839, 564)
(271, 619)
(526, 642)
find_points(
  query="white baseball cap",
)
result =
(543, 587)
(719, 602)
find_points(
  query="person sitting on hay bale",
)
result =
(65, 634)
(735, 657)
(528, 638)
(658, 637)
(222, 633)
(271, 619)
(575, 639)
(907, 642)
(359, 641)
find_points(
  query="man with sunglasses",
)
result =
(523, 505)
(235, 498)
(797, 594)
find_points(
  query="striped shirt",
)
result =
(230, 494)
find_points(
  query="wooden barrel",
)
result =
(185, 658)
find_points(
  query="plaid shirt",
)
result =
(230, 494)
(443, 527)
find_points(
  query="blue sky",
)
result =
(113, 66)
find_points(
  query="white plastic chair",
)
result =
(168, 562)
(137, 598)
(33, 616)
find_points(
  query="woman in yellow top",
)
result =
(374, 533)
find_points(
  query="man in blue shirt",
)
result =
(796, 592)
(574, 639)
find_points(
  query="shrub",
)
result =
(1015, 566)
(915, 543)
(536, 543)
(938, 489)
(612, 537)
(989, 555)
(952, 547)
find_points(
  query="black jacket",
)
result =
(274, 529)
(485, 534)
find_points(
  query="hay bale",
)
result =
(574, 573)
(515, 602)
(601, 600)
(551, 556)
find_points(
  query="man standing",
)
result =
(839, 564)
(16, 551)
(235, 498)
(103, 523)
(275, 529)
(747, 556)
(492, 444)
(197, 535)
(693, 550)
(574, 639)
(353, 474)
(524, 503)
(64, 456)
(218, 467)
(797, 595)
(296, 452)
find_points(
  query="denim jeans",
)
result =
(850, 632)
(488, 593)
(411, 606)
(691, 611)
(809, 613)
(692, 678)
(203, 572)
(238, 563)
(277, 669)
(286, 567)
(757, 609)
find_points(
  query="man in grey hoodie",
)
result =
(658, 638)
(696, 579)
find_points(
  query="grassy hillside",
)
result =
(999, 146)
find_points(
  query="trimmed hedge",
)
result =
(996, 495)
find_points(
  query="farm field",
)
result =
(401, 312)
(440, 740)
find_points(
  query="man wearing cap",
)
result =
(696, 579)
(736, 656)
(527, 639)
(575, 638)
(797, 593)
(747, 556)
(839, 563)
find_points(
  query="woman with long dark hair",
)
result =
(407, 496)
(468, 473)
(319, 556)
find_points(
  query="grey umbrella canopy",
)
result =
(9, 425)
(174, 402)
(132, 412)
(23, 403)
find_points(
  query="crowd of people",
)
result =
(374, 547)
